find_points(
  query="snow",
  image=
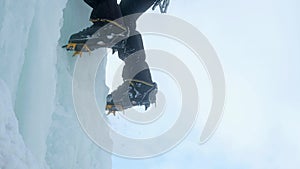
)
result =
(38, 125)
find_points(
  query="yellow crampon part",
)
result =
(109, 107)
(111, 112)
(72, 46)
(87, 48)
(77, 53)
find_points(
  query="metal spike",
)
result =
(87, 48)
(111, 112)
(146, 106)
(71, 46)
(114, 50)
(77, 53)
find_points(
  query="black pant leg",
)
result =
(134, 57)
(135, 64)
(92, 3)
(129, 7)
(105, 9)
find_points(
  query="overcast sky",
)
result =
(258, 44)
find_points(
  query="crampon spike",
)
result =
(146, 107)
(77, 53)
(112, 109)
(70, 46)
(111, 112)
(87, 48)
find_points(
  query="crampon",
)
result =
(103, 33)
(80, 48)
(129, 94)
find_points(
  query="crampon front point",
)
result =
(79, 48)
(112, 109)
(130, 94)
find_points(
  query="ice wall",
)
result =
(38, 76)
(15, 22)
(13, 152)
(67, 141)
(37, 84)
